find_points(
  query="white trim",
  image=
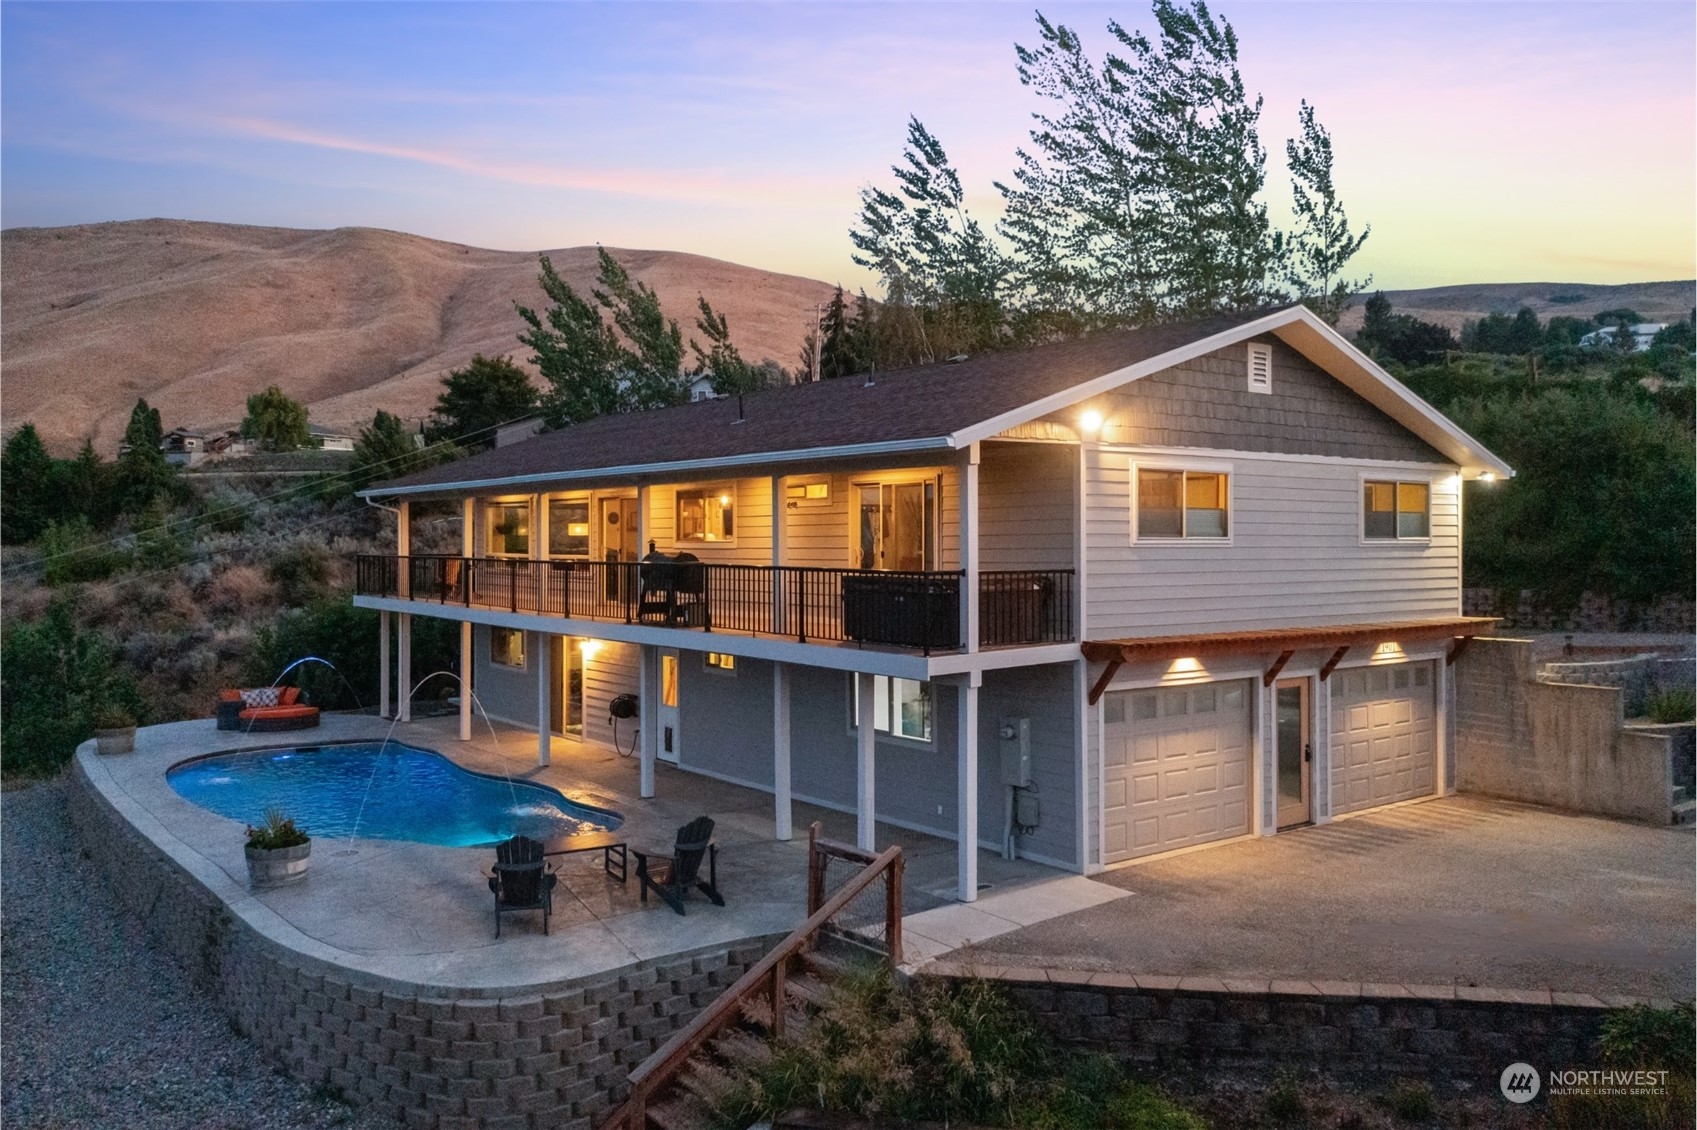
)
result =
(1230, 453)
(1431, 481)
(651, 470)
(1201, 466)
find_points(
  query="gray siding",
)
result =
(1044, 695)
(1207, 403)
(1026, 512)
(1295, 557)
(610, 672)
(510, 695)
(506, 693)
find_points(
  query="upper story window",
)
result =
(706, 514)
(509, 528)
(506, 647)
(1393, 510)
(568, 527)
(898, 526)
(1182, 504)
(900, 707)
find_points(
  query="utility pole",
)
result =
(818, 321)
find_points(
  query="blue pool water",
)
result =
(408, 794)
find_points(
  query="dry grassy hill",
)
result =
(1453, 306)
(196, 316)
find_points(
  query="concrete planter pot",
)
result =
(277, 867)
(121, 739)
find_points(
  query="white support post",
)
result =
(781, 820)
(465, 680)
(966, 786)
(544, 740)
(642, 521)
(384, 676)
(779, 524)
(403, 549)
(866, 812)
(649, 707)
(969, 546)
(404, 684)
(468, 526)
(538, 527)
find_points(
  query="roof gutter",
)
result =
(890, 447)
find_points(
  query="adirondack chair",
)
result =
(671, 878)
(522, 880)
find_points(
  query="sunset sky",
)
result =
(1485, 142)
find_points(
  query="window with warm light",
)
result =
(718, 661)
(1395, 510)
(506, 647)
(808, 492)
(509, 529)
(706, 515)
(1181, 504)
(900, 707)
(568, 528)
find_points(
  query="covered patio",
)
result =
(421, 914)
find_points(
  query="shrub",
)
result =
(300, 572)
(54, 678)
(276, 831)
(1638, 1038)
(345, 636)
(1410, 1101)
(1642, 1036)
(240, 591)
(224, 513)
(72, 551)
(1678, 705)
(1284, 1101)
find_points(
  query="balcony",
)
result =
(919, 611)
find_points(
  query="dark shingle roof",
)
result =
(926, 402)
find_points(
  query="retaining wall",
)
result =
(1340, 1028)
(1553, 743)
(554, 1058)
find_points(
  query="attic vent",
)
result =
(1260, 367)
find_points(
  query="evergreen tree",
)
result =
(836, 347)
(1525, 335)
(477, 399)
(142, 474)
(26, 490)
(1322, 243)
(387, 450)
(276, 420)
(721, 361)
(1378, 326)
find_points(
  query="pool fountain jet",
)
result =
(477, 705)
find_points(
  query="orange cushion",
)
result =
(289, 697)
(296, 711)
(229, 696)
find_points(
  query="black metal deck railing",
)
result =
(919, 610)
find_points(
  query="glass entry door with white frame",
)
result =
(1294, 755)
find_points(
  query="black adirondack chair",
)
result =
(671, 878)
(522, 880)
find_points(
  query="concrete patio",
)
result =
(1462, 891)
(420, 914)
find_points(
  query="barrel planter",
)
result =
(119, 739)
(277, 867)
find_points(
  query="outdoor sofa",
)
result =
(265, 708)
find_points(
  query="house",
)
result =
(701, 388)
(329, 439)
(1643, 336)
(186, 447)
(1085, 603)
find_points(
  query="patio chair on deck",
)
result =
(672, 878)
(522, 880)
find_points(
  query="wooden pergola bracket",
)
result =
(1332, 663)
(1278, 665)
(1456, 649)
(1107, 676)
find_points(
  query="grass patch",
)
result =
(942, 1052)
(1673, 706)
(1633, 1039)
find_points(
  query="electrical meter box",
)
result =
(1015, 735)
(1026, 813)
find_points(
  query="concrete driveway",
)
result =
(1464, 891)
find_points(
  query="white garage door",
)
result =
(1176, 764)
(1384, 735)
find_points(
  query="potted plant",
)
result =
(114, 729)
(277, 852)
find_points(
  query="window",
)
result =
(506, 647)
(509, 528)
(898, 526)
(705, 515)
(568, 528)
(808, 492)
(718, 661)
(1260, 367)
(1392, 510)
(900, 707)
(1181, 504)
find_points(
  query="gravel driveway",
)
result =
(100, 1031)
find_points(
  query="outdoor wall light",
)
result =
(589, 648)
(1488, 476)
(1091, 422)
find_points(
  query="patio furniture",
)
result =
(265, 709)
(522, 880)
(606, 843)
(671, 878)
(673, 588)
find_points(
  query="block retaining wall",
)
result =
(554, 1058)
(1432, 1032)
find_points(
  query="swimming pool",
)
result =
(393, 791)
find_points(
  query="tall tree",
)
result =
(276, 420)
(836, 345)
(475, 400)
(388, 449)
(720, 360)
(26, 502)
(1322, 243)
(142, 474)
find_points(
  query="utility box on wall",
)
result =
(1015, 743)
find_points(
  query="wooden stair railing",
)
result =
(766, 978)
